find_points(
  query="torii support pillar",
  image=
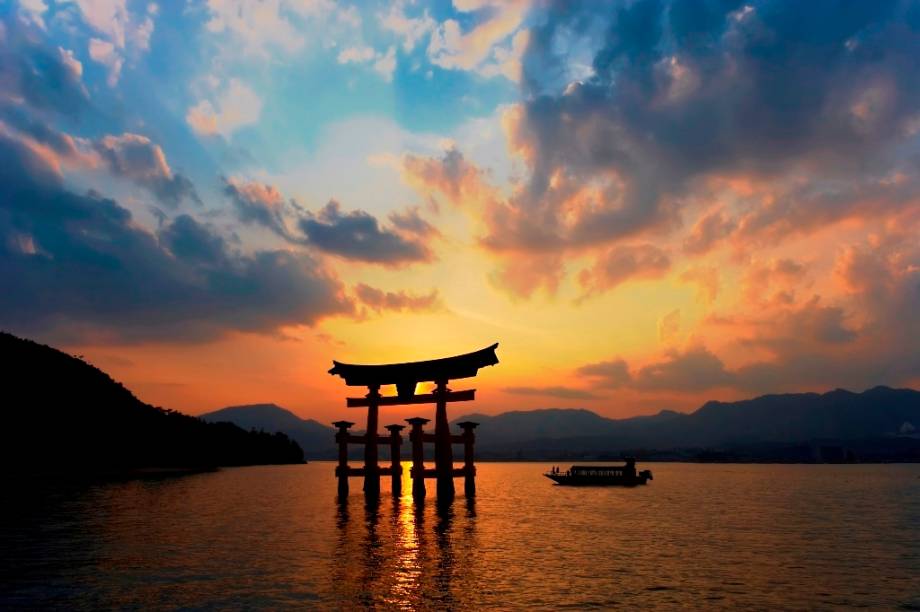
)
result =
(443, 453)
(418, 456)
(469, 467)
(395, 464)
(371, 473)
(341, 470)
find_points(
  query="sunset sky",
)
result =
(648, 204)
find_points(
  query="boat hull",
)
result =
(569, 480)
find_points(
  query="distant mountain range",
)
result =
(880, 424)
(316, 439)
(61, 414)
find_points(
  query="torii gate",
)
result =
(406, 376)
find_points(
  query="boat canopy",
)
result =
(406, 374)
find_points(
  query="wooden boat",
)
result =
(601, 475)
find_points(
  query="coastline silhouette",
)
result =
(65, 416)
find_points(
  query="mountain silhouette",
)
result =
(316, 439)
(878, 424)
(62, 414)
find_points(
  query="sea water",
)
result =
(700, 536)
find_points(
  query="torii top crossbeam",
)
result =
(406, 375)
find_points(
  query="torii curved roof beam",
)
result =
(403, 374)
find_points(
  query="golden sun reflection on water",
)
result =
(407, 580)
(405, 554)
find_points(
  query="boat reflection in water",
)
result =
(601, 475)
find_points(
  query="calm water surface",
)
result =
(704, 536)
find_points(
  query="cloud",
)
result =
(410, 221)
(258, 28)
(613, 373)
(117, 28)
(258, 203)
(384, 63)
(17, 122)
(44, 76)
(669, 326)
(136, 158)
(356, 55)
(450, 175)
(560, 392)
(78, 266)
(110, 17)
(188, 240)
(696, 369)
(707, 232)
(32, 11)
(672, 99)
(400, 301)
(485, 47)
(410, 29)
(706, 278)
(802, 210)
(257, 25)
(103, 52)
(358, 236)
(234, 107)
(623, 263)
(522, 277)
(772, 282)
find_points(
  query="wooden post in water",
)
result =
(469, 467)
(341, 470)
(395, 458)
(418, 456)
(371, 473)
(443, 453)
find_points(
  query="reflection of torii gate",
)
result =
(406, 376)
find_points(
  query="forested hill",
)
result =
(62, 414)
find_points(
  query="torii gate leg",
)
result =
(443, 454)
(469, 466)
(395, 459)
(371, 473)
(418, 457)
(341, 470)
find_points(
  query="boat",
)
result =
(601, 475)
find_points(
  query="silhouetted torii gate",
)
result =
(406, 376)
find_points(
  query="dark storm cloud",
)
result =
(357, 235)
(685, 89)
(73, 264)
